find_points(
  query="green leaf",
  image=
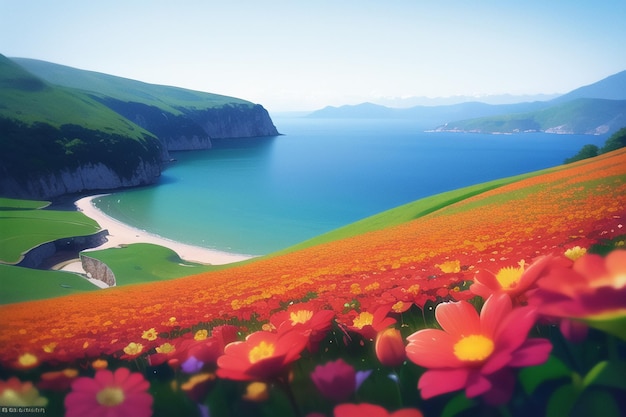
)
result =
(607, 373)
(596, 403)
(533, 376)
(562, 401)
(457, 405)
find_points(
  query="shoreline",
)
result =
(122, 234)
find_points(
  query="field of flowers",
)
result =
(507, 303)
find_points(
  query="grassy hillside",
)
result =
(29, 99)
(101, 85)
(23, 284)
(23, 229)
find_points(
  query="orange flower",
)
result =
(262, 356)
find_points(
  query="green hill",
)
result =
(579, 116)
(104, 86)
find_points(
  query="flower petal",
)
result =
(440, 381)
(533, 352)
(493, 312)
(476, 385)
(432, 348)
(458, 318)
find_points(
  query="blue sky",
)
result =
(304, 55)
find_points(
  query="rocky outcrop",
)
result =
(60, 249)
(85, 177)
(98, 270)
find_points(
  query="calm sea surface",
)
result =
(261, 195)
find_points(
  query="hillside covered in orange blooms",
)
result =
(429, 259)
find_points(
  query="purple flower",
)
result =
(335, 380)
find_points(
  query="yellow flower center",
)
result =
(110, 396)
(363, 319)
(509, 277)
(300, 317)
(475, 347)
(201, 334)
(27, 359)
(261, 351)
(397, 307)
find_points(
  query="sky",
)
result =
(304, 55)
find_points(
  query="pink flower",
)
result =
(593, 289)
(475, 352)
(372, 410)
(110, 394)
(335, 380)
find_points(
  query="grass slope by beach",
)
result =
(25, 284)
(23, 229)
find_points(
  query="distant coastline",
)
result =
(123, 234)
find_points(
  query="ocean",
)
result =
(256, 196)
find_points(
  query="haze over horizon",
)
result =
(291, 56)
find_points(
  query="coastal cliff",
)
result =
(67, 130)
(86, 177)
(193, 129)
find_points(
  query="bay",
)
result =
(256, 196)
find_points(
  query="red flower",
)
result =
(514, 281)
(262, 356)
(368, 324)
(389, 347)
(204, 352)
(475, 352)
(372, 410)
(305, 319)
(110, 394)
(593, 289)
(57, 380)
(335, 380)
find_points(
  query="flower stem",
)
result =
(284, 385)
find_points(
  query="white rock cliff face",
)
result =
(86, 177)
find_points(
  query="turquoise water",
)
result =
(261, 195)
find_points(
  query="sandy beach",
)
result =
(120, 233)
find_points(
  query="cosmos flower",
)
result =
(475, 352)
(369, 324)
(514, 281)
(262, 356)
(110, 394)
(313, 323)
(593, 289)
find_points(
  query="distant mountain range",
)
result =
(598, 108)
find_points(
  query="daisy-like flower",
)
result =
(368, 325)
(312, 322)
(514, 281)
(476, 353)
(262, 356)
(593, 290)
(110, 394)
